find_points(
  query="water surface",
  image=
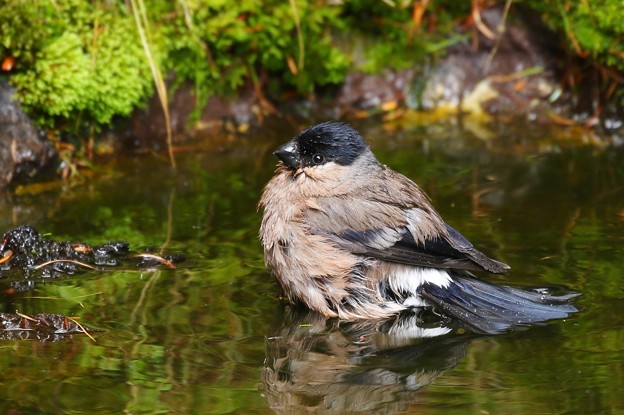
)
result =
(212, 336)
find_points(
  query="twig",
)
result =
(140, 17)
(557, 119)
(481, 27)
(7, 255)
(160, 259)
(81, 328)
(264, 102)
(66, 260)
(501, 31)
(25, 316)
(516, 75)
(44, 297)
(169, 221)
(188, 19)
(418, 12)
(301, 60)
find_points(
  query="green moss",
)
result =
(121, 81)
(61, 66)
(77, 60)
(593, 28)
(23, 30)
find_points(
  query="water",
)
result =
(212, 337)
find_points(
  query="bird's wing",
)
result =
(392, 233)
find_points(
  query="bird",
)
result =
(350, 238)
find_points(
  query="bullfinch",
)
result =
(352, 239)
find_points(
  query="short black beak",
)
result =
(289, 155)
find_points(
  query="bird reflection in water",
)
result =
(315, 365)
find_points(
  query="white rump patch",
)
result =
(408, 279)
(415, 301)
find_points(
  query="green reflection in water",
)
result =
(204, 337)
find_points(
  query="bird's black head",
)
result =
(323, 143)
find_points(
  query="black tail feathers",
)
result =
(492, 309)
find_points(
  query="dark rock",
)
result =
(23, 153)
(515, 74)
(362, 91)
(25, 253)
(147, 128)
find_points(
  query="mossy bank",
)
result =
(83, 67)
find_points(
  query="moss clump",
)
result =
(82, 61)
(59, 79)
(120, 80)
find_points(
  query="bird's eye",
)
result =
(318, 158)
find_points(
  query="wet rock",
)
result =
(25, 249)
(23, 153)
(146, 127)
(362, 91)
(513, 74)
(40, 327)
(25, 252)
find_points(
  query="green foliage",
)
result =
(120, 80)
(391, 38)
(59, 66)
(600, 29)
(81, 60)
(220, 46)
(22, 29)
(593, 28)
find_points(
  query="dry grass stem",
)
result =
(160, 259)
(301, 60)
(140, 17)
(81, 328)
(7, 255)
(66, 260)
